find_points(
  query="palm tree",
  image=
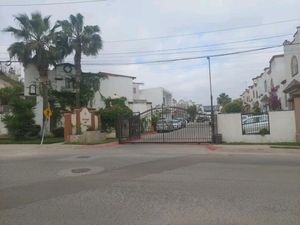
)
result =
(81, 40)
(223, 99)
(37, 46)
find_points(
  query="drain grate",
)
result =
(83, 157)
(80, 170)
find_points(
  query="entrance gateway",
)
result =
(167, 125)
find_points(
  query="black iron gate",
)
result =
(167, 125)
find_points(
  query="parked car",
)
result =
(164, 125)
(255, 124)
(176, 124)
(204, 118)
(244, 117)
(182, 121)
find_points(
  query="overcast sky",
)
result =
(123, 20)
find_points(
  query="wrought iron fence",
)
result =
(255, 124)
(167, 125)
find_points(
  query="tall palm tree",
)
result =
(81, 40)
(36, 45)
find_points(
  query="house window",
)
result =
(68, 83)
(294, 66)
(134, 90)
(266, 87)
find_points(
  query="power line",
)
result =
(51, 3)
(204, 32)
(198, 46)
(182, 59)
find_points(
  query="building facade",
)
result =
(269, 90)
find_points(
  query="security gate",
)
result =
(167, 125)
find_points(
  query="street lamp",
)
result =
(211, 104)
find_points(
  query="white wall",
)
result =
(154, 95)
(58, 76)
(114, 86)
(31, 77)
(282, 128)
(3, 130)
(139, 106)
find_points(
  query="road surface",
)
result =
(148, 184)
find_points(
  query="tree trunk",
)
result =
(77, 61)
(43, 72)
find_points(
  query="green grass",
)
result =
(47, 140)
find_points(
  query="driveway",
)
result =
(148, 184)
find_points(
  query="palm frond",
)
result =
(18, 33)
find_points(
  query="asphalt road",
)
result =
(148, 184)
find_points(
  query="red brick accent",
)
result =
(67, 127)
(77, 112)
(93, 119)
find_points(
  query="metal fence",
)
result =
(167, 125)
(255, 124)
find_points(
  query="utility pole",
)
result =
(211, 104)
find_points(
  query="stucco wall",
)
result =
(31, 77)
(3, 130)
(282, 128)
(156, 96)
(114, 86)
(139, 107)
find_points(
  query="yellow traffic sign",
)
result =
(47, 112)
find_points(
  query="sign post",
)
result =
(47, 113)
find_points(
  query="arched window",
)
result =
(294, 66)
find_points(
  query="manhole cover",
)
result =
(83, 157)
(80, 170)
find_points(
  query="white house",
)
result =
(138, 104)
(114, 86)
(157, 96)
(62, 77)
(281, 75)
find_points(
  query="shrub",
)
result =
(58, 132)
(235, 106)
(34, 131)
(115, 109)
(19, 122)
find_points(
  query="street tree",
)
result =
(81, 39)
(192, 111)
(223, 99)
(236, 106)
(36, 45)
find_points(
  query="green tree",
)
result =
(223, 99)
(81, 40)
(235, 106)
(20, 122)
(37, 46)
(114, 109)
(192, 111)
(9, 93)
